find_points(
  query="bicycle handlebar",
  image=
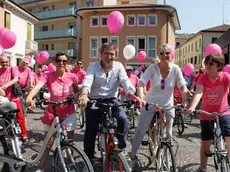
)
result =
(165, 108)
(95, 104)
(58, 103)
(213, 113)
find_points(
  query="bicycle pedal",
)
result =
(145, 142)
(208, 154)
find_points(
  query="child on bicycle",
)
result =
(213, 87)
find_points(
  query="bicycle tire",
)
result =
(86, 167)
(180, 124)
(4, 167)
(162, 152)
(119, 157)
(81, 118)
(224, 165)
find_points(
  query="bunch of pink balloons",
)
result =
(188, 69)
(115, 22)
(141, 56)
(42, 57)
(51, 67)
(7, 39)
(227, 68)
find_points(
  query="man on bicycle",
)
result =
(101, 83)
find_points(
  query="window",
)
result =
(192, 60)
(72, 45)
(103, 21)
(52, 27)
(72, 25)
(141, 43)
(93, 47)
(94, 21)
(19, 61)
(196, 45)
(103, 39)
(45, 8)
(152, 20)
(195, 60)
(131, 20)
(52, 46)
(141, 20)
(177, 44)
(188, 48)
(7, 20)
(115, 41)
(45, 28)
(45, 47)
(130, 40)
(199, 42)
(214, 39)
(89, 4)
(192, 47)
(151, 47)
(29, 31)
(185, 50)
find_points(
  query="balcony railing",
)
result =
(31, 47)
(55, 34)
(24, 1)
(56, 13)
(70, 52)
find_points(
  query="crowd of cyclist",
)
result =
(108, 81)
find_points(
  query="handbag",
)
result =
(16, 89)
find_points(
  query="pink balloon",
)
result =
(188, 69)
(51, 67)
(213, 48)
(227, 68)
(115, 21)
(172, 47)
(42, 57)
(44, 68)
(1, 51)
(141, 56)
(29, 58)
(7, 38)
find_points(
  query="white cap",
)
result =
(129, 68)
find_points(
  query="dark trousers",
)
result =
(93, 118)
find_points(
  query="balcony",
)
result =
(70, 52)
(31, 47)
(56, 13)
(55, 34)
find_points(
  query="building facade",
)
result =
(146, 27)
(13, 17)
(192, 50)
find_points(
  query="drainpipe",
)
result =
(202, 50)
(167, 31)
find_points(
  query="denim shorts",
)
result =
(206, 130)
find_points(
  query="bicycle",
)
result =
(66, 152)
(130, 112)
(81, 116)
(161, 147)
(112, 157)
(220, 153)
(179, 118)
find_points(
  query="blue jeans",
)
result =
(93, 117)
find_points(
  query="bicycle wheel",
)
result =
(180, 123)
(75, 159)
(81, 117)
(4, 167)
(165, 160)
(118, 162)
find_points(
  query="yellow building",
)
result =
(146, 27)
(192, 50)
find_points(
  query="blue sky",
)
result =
(195, 15)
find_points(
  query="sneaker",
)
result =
(134, 163)
(200, 170)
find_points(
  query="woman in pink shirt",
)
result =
(8, 77)
(61, 85)
(213, 87)
(79, 71)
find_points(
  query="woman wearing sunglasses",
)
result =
(213, 87)
(61, 85)
(163, 77)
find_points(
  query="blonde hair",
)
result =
(165, 47)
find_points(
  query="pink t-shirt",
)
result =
(80, 74)
(215, 94)
(5, 77)
(59, 89)
(35, 78)
(178, 95)
(134, 80)
(24, 75)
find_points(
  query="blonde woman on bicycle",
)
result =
(213, 87)
(163, 77)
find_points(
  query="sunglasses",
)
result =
(4, 62)
(162, 84)
(63, 61)
(79, 63)
(209, 63)
(164, 53)
(25, 63)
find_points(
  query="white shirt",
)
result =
(163, 97)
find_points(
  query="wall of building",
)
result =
(2, 16)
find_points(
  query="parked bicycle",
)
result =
(67, 156)
(179, 118)
(130, 112)
(161, 147)
(112, 157)
(220, 153)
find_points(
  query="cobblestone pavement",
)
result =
(187, 158)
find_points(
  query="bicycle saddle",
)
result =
(9, 113)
